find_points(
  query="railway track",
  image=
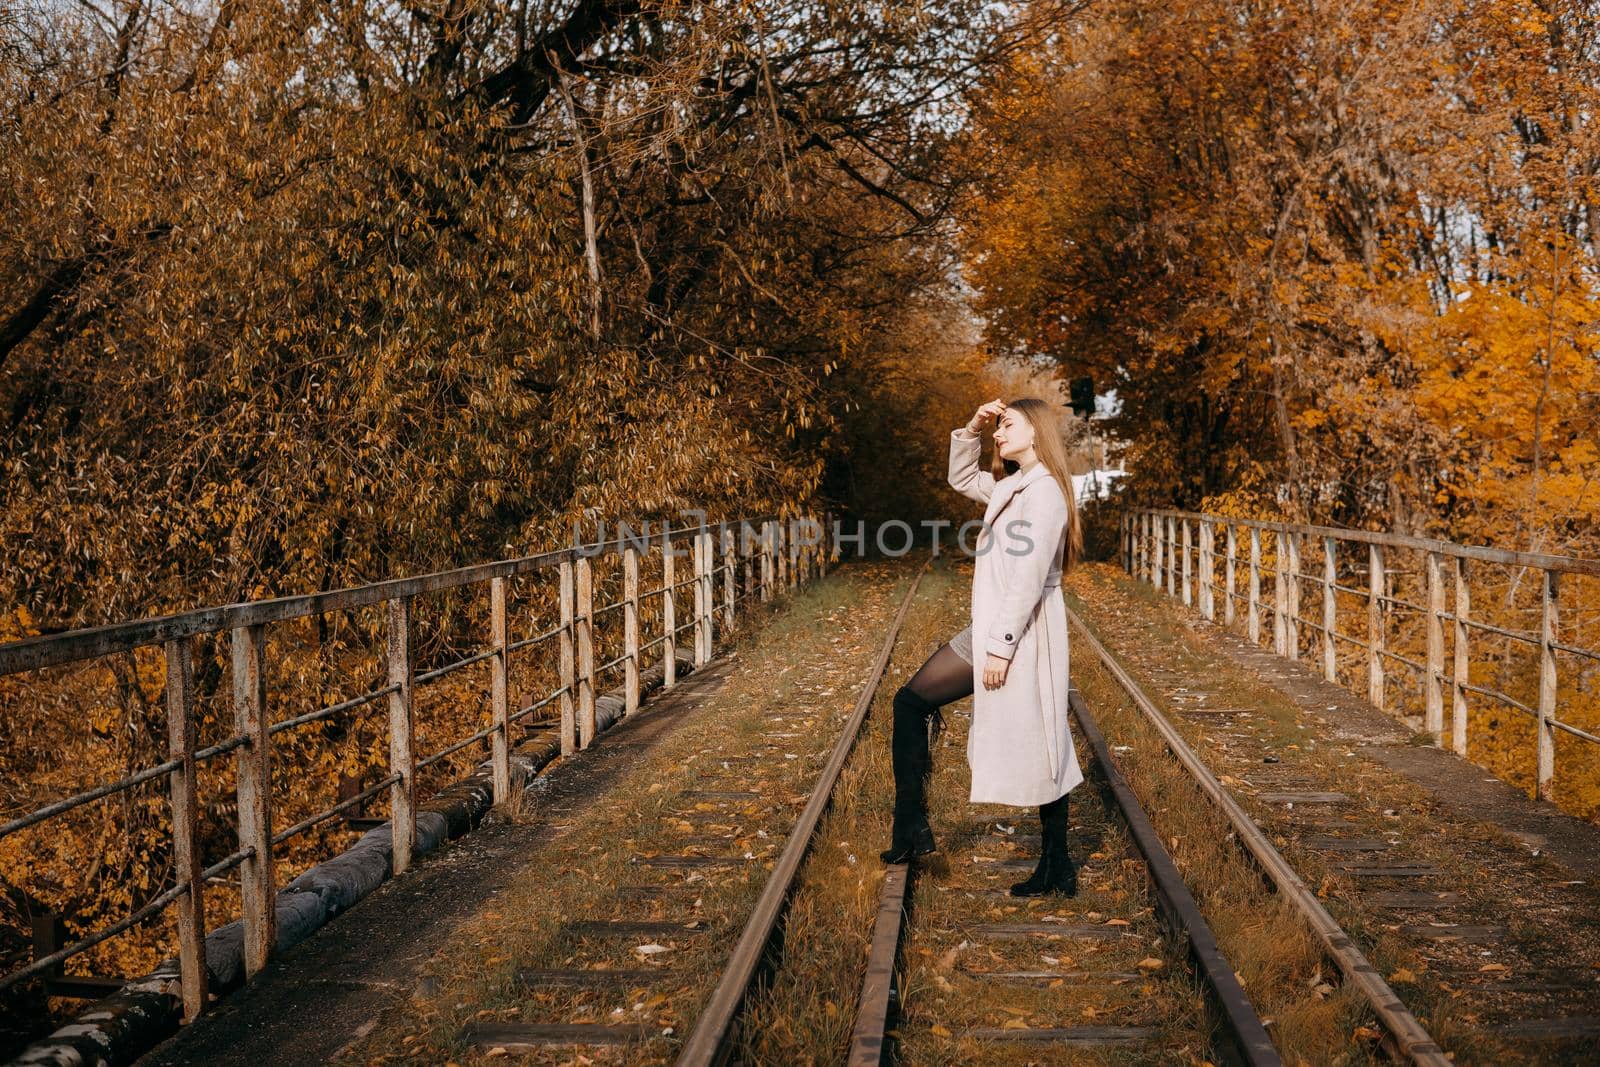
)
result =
(1129, 968)
(1405, 1039)
(670, 888)
(1105, 943)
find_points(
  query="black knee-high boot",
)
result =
(1055, 873)
(911, 836)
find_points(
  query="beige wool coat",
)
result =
(1020, 747)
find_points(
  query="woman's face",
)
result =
(1013, 435)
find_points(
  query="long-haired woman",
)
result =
(1013, 658)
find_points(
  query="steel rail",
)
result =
(713, 1037)
(1245, 1036)
(1407, 1036)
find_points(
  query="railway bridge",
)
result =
(1337, 814)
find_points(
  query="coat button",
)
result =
(1008, 637)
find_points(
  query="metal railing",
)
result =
(776, 558)
(1158, 546)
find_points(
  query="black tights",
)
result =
(943, 678)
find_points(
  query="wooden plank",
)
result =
(253, 789)
(592, 979)
(1302, 798)
(722, 794)
(1433, 677)
(1078, 978)
(1551, 1029)
(1363, 870)
(1068, 1035)
(1464, 932)
(873, 1008)
(607, 928)
(675, 862)
(1346, 844)
(186, 857)
(1401, 900)
(1076, 932)
(402, 753)
(531, 1037)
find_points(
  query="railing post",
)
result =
(697, 566)
(1158, 567)
(253, 773)
(765, 554)
(402, 726)
(792, 545)
(1253, 621)
(1291, 619)
(1375, 625)
(1330, 609)
(1458, 679)
(1280, 594)
(1547, 684)
(1188, 591)
(568, 665)
(827, 541)
(630, 630)
(709, 554)
(186, 859)
(780, 559)
(730, 567)
(669, 614)
(585, 619)
(1138, 568)
(1154, 554)
(1433, 695)
(1228, 609)
(1172, 556)
(499, 693)
(1208, 571)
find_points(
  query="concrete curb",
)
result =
(123, 1026)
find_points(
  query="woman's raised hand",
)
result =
(985, 416)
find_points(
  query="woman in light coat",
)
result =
(1020, 748)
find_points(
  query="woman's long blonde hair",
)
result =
(1050, 445)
